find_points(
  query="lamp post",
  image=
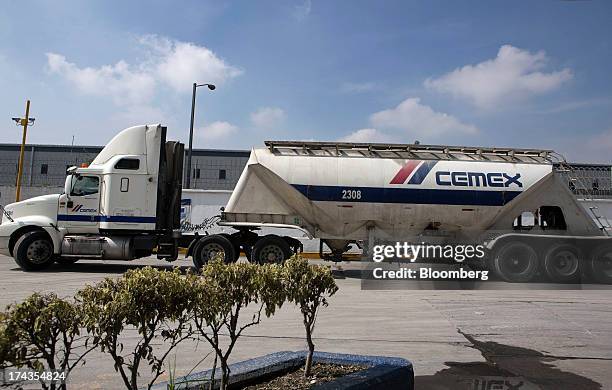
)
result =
(193, 99)
(22, 122)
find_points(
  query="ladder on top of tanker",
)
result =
(581, 188)
(411, 151)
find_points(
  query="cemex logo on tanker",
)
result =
(415, 171)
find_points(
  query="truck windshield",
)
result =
(85, 185)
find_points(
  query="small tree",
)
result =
(308, 286)
(224, 291)
(155, 303)
(43, 333)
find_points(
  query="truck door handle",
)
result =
(69, 204)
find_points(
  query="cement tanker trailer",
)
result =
(516, 202)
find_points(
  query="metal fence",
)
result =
(592, 180)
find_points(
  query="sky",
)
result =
(535, 74)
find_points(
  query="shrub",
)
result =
(224, 291)
(42, 333)
(308, 286)
(4, 343)
(155, 303)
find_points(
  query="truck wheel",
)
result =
(270, 249)
(562, 263)
(235, 244)
(516, 262)
(34, 251)
(600, 265)
(210, 247)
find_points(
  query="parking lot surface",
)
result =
(542, 338)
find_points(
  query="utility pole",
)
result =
(22, 122)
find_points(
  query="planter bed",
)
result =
(366, 372)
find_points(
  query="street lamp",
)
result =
(193, 98)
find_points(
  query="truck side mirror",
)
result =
(68, 185)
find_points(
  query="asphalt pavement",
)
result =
(524, 338)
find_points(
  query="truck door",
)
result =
(79, 211)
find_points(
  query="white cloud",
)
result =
(121, 82)
(141, 115)
(180, 64)
(603, 141)
(216, 130)
(267, 117)
(512, 74)
(358, 87)
(365, 135)
(588, 147)
(301, 11)
(170, 62)
(417, 119)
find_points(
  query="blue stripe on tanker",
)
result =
(408, 195)
(105, 218)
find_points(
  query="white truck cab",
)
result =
(122, 206)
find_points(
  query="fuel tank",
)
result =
(340, 190)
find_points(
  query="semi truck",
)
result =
(517, 202)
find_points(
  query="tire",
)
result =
(34, 251)
(562, 263)
(235, 244)
(600, 265)
(66, 261)
(516, 262)
(270, 249)
(208, 247)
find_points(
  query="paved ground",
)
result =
(548, 339)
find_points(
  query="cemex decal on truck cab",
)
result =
(79, 208)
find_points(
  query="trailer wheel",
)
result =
(562, 263)
(270, 249)
(34, 251)
(600, 264)
(209, 247)
(516, 262)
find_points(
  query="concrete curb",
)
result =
(385, 373)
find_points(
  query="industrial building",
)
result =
(44, 168)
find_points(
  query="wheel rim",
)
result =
(565, 262)
(516, 260)
(211, 250)
(271, 254)
(39, 251)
